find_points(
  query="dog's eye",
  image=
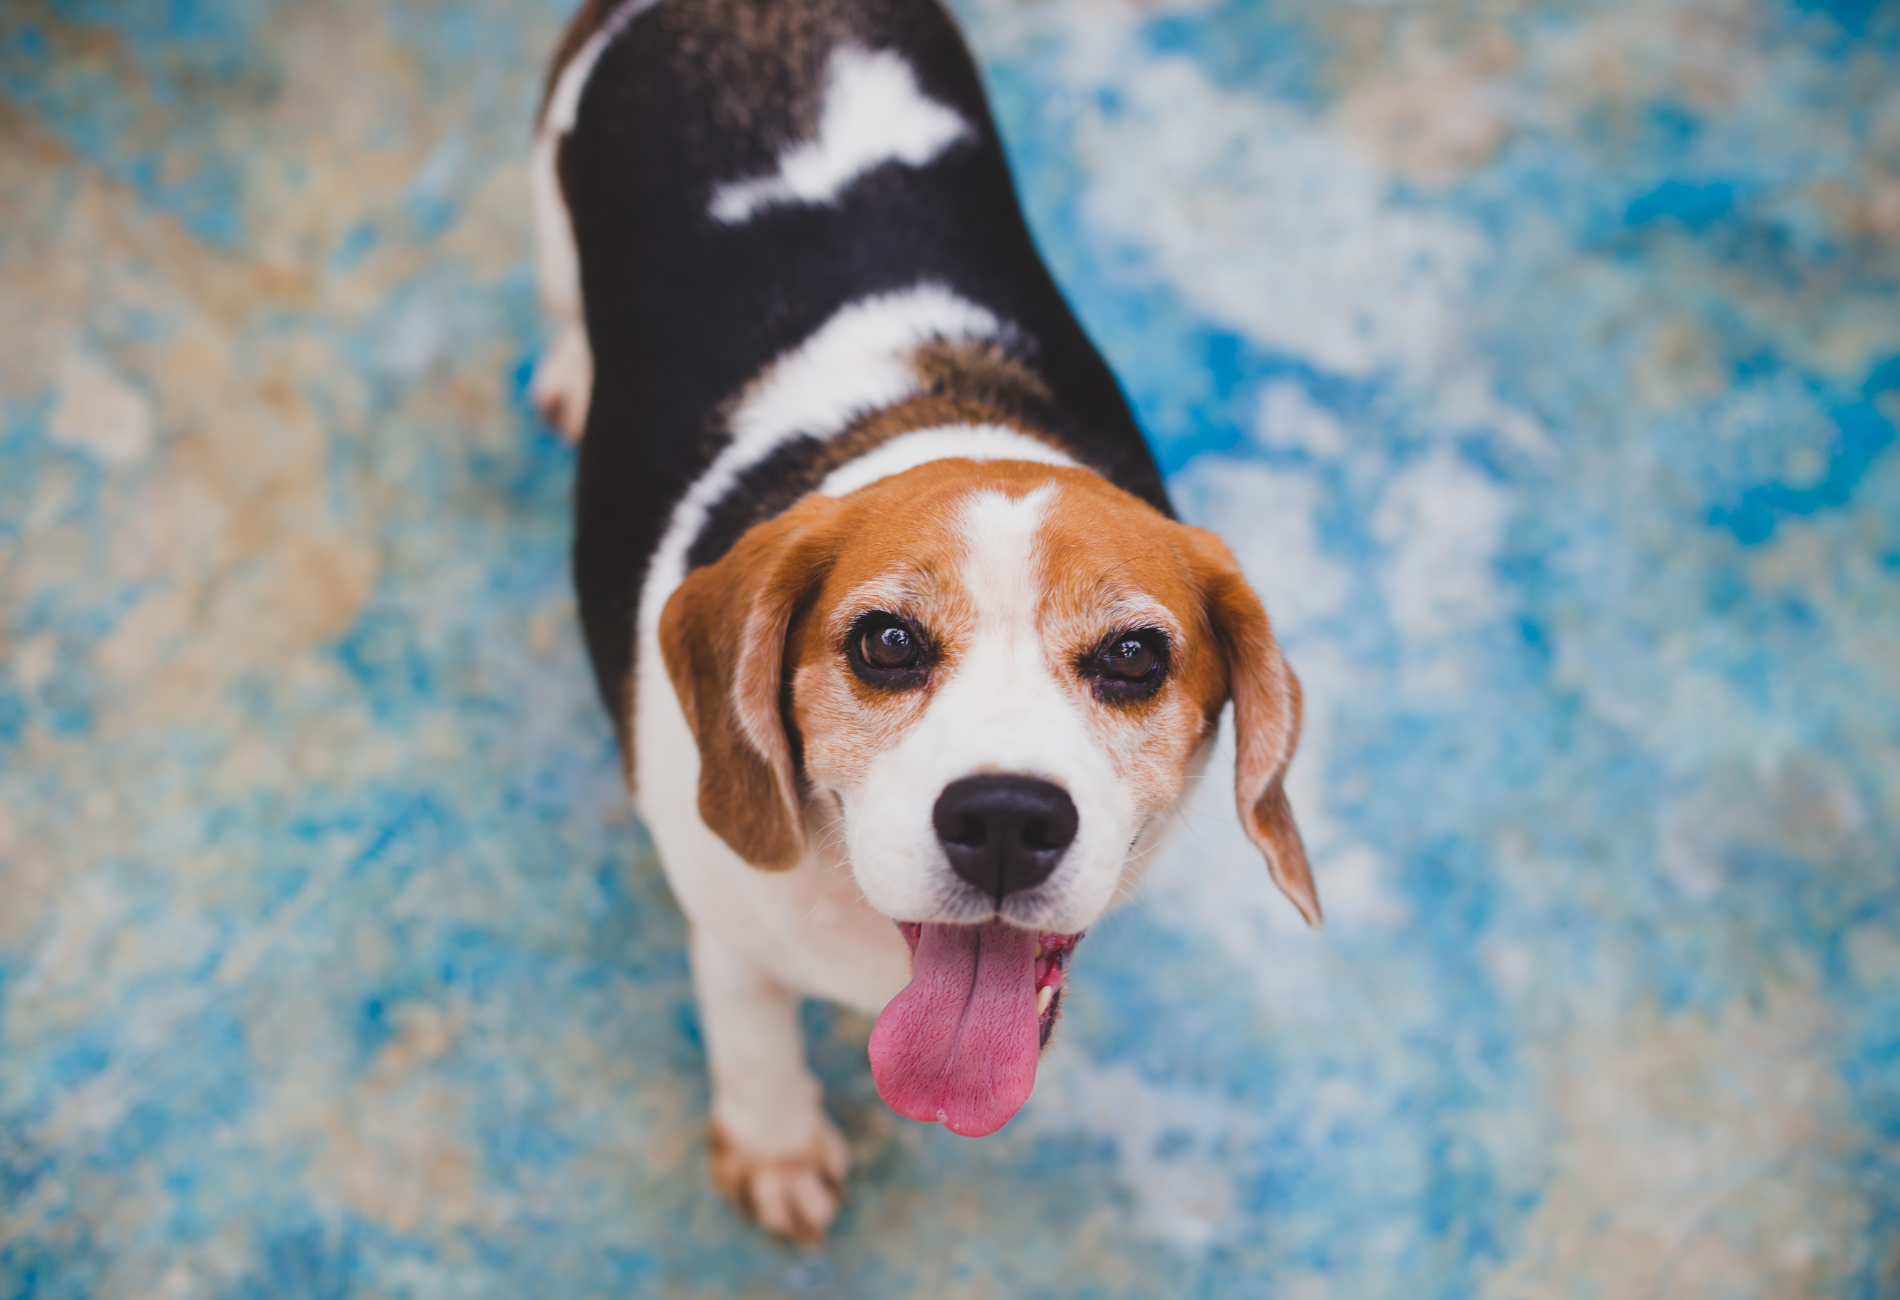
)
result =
(1129, 665)
(1129, 661)
(889, 651)
(889, 647)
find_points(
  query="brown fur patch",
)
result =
(981, 371)
(761, 63)
(1112, 564)
(927, 411)
(1266, 718)
(722, 635)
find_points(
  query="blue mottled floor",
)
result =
(1543, 364)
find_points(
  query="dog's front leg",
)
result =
(773, 1150)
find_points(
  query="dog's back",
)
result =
(740, 172)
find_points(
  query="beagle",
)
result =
(908, 659)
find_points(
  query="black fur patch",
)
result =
(769, 488)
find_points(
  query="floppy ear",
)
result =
(723, 636)
(1266, 698)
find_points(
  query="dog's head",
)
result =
(997, 677)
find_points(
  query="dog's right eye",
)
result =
(885, 650)
(890, 647)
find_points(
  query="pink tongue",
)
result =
(959, 1044)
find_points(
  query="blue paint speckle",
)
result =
(1693, 205)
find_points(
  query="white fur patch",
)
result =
(946, 442)
(999, 567)
(563, 383)
(857, 361)
(854, 363)
(565, 103)
(557, 262)
(874, 113)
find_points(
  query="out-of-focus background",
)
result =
(1542, 362)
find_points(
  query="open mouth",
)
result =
(960, 1044)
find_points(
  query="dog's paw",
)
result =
(563, 382)
(795, 1196)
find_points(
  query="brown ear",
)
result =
(723, 635)
(1266, 698)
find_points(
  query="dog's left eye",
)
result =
(888, 651)
(1129, 665)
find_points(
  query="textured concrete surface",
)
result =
(1543, 362)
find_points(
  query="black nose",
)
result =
(1004, 833)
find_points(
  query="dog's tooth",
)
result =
(1044, 998)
